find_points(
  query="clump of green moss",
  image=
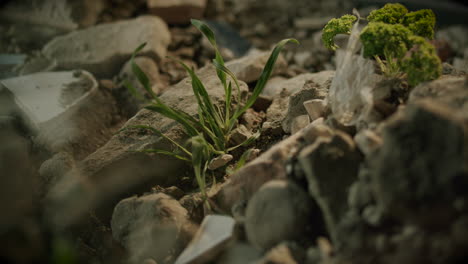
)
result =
(397, 39)
(421, 22)
(337, 26)
(379, 38)
(421, 62)
(390, 14)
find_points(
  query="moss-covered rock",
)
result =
(421, 22)
(337, 26)
(379, 38)
(390, 14)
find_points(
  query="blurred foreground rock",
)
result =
(177, 11)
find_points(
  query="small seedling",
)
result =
(397, 39)
(210, 132)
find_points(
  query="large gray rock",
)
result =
(279, 211)
(103, 49)
(423, 157)
(331, 165)
(177, 11)
(117, 168)
(151, 226)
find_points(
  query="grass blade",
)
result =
(141, 76)
(246, 142)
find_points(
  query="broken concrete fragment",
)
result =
(151, 226)
(59, 106)
(280, 210)
(103, 49)
(211, 238)
(177, 11)
(315, 108)
(331, 166)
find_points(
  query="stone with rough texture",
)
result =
(299, 122)
(331, 166)
(220, 161)
(284, 254)
(61, 15)
(424, 150)
(212, 237)
(452, 91)
(280, 210)
(103, 49)
(249, 67)
(177, 11)
(151, 226)
(116, 169)
(315, 87)
(367, 141)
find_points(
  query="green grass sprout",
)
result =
(210, 131)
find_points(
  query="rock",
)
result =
(367, 141)
(321, 80)
(299, 122)
(283, 254)
(249, 67)
(177, 12)
(252, 119)
(451, 91)
(455, 35)
(315, 87)
(240, 134)
(240, 253)
(62, 109)
(103, 49)
(53, 169)
(270, 165)
(117, 168)
(211, 238)
(424, 151)
(149, 67)
(280, 210)
(273, 86)
(220, 161)
(59, 15)
(331, 166)
(317, 130)
(275, 113)
(315, 108)
(151, 226)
